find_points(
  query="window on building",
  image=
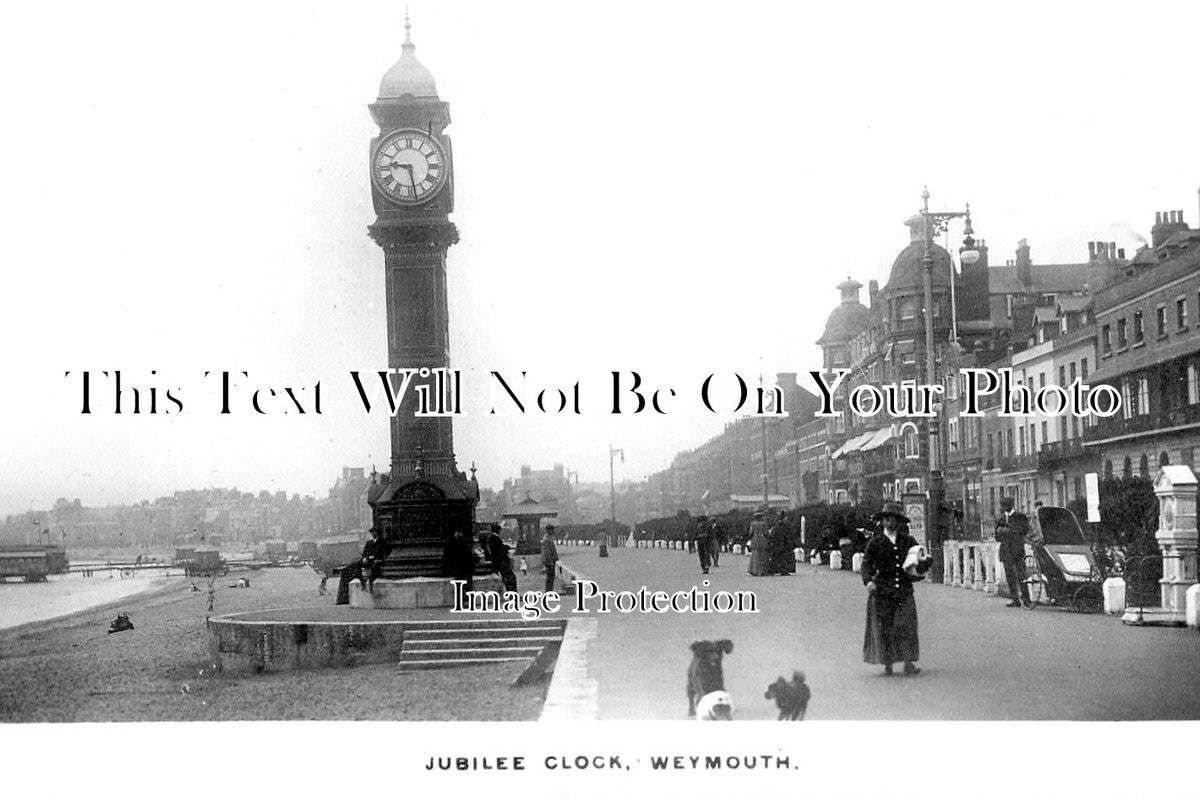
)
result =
(1106, 339)
(1048, 300)
(1062, 376)
(1128, 399)
(908, 308)
(1021, 442)
(912, 447)
(1008, 304)
(1193, 383)
(1160, 320)
(1138, 334)
(1073, 372)
(1181, 313)
(1045, 433)
(991, 447)
(954, 434)
(1143, 390)
(1122, 335)
(1083, 370)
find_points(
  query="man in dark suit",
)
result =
(459, 558)
(1011, 529)
(549, 557)
(498, 554)
(368, 568)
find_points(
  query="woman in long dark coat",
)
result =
(783, 559)
(891, 633)
(758, 545)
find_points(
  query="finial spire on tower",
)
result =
(408, 42)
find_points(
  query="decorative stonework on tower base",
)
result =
(1177, 538)
(416, 592)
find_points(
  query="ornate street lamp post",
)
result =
(932, 224)
(612, 486)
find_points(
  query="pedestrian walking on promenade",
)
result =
(497, 552)
(758, 545)
(549, 557)
(782, 560)
(1011, 529)
(717, 541)
(701, 535)
(892, 562)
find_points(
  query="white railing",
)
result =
(972, 565)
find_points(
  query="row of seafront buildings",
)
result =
(194, 515)
(1131, 322)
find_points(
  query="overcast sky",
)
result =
(673, 188)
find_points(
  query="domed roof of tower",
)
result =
(908, 270)
(849, 318)
(408, 76)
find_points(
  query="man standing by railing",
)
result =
(1011, 530)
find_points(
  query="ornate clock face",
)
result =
(409, 166)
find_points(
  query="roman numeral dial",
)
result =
(409, 166)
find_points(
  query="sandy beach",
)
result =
(70, 670)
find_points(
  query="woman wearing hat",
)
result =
(892, 562)
(758, 545)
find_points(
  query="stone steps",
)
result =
(435, 644)
(441, 663)
(470, 633)
(467, 653)
(497, 643)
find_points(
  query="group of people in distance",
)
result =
(771, 550)
(707, 537)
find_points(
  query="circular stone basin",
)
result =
(288, 639)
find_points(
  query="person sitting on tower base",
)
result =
(368, 568)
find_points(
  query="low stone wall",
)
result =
(255, 645)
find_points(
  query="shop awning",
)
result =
(878, 439)
(853, 444)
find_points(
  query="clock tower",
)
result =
(424, 498)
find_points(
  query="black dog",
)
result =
(704, 674)
(791, 697)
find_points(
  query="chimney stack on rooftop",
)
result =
(1166, 225)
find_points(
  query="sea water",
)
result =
(62, 595)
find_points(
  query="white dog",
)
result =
(714, 706)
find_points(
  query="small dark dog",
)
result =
(121, 623)
(791, 696)
(704, 674)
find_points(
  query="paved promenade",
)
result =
(980, 660)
